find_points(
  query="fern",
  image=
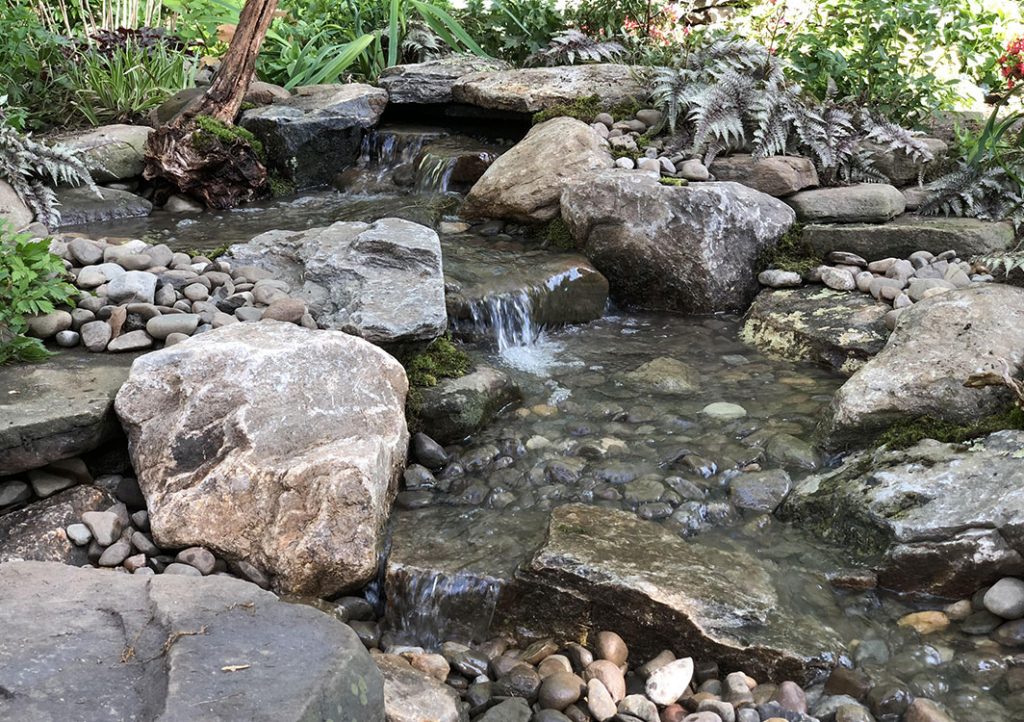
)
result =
(32, 169)
(421, 43)
(571, 46)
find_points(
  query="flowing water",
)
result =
(590, 430)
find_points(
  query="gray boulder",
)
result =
(908, 234)
(12, 209)
(457, 408)
(82, 205)
(317, 132)
(111, 647)
(271, 444)
(60, 408)
(528, 90)
(692, 249)
(863, 203)
(431, 81)
(833, 328)
(381, 281)
(935, 518)
(525, 183)
(414, 696)
(780, 175)
(111, 152)
(937, 344)
(38, 532)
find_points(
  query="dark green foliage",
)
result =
(31, 282)
(907, 433)
(792, 253)
(440, 360)
(584, 109)
(557, 235)
(280, 186)
(675, 182)
(626, 109)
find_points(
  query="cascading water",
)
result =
(385, 150)
(428, 608)
(434, 173)
(508, 319)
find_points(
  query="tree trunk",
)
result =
(204, 158)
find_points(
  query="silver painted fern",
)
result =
(571, 46)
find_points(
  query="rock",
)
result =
(132, 287)
(524, 185)
(381, 281)
(665, 375)
(46, 483)
(39, 532)
(183, 204)
(899, 167)
(160, 327)
(198, 558)
(1005, 598)
(67, 339)
(559, 690)
(664, 247)
(235, 403)
(837, 279)
(413, 696)
(48, 325)
(57, 409)
(110, 152)
(924, 710)
(694, 170)
(778, 176)
(14, 492)
(511, 710)
(599, 701)
(457, 408)
(863, 203)
(131, 341)
(204, 632)
(926, 622)
(724, 411)
(636, 706)
(775, 278)
(555, 288)
(82, 205)
(12, 209)
(934, 518)
(431, 81)
(907, 234)
(93, 276)
(96, 335)
(262, 93)
(587, 566)
(833, 328)
(792, 452)
(922, 369)
(84, 252)
(528, 90)
(668, 683)
(760, 491)
(115, 554)
(289, 310)
(79, 534)
(317, 131)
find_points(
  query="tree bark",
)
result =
(223, 98)
(222, 169)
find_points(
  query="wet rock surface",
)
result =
(237, 403)
(173, 647)
(832, 328)
(39, 532)
(456, 408)
(83, 205)
(937, 518)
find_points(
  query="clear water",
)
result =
(585, 433)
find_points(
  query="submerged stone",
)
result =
(459, 407)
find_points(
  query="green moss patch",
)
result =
(557, 235)
(907, 433)
(280, 186)
(584, 109)
(675, 182)
(626, 109)
(792, 253)
(209, 130)
(441, 359)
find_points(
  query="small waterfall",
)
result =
(508, 319)
(385, 150)
(434, 173)
(426, 608)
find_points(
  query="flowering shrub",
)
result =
(1011, 63)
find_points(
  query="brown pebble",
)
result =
(611, 646)
(610, 675)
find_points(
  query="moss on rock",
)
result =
(904, 434)
(583, 109)
(210, 129)
(792, 253)
(441, 359)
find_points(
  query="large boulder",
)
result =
(908, 234)
(430, 82)
(525, 184)
(111, 152)
(863, 203)
(692, 249)
(38, 532)
(586, 568)
(82, 205)
(833, 328)
(459, 407)
(89, 644)
(937, 344)
(273, 444)
(937, 518)
(780, 175)
(12, 209)
(60, 408)
(381, 281)
(318, 131)
(528, 90)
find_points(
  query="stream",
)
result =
(589, 430)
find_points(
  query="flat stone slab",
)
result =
(59, 408)
(97, 645)
(431, 81)
(79, 206)
(838, 329)
(936, 518)
(908, 234)
(861, 203)
(528, 90)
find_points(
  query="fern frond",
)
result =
(570, 45)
